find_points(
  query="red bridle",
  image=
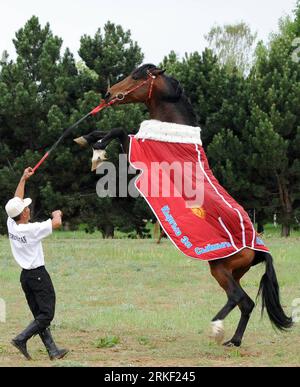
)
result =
(122, 96)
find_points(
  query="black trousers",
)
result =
(40, 295)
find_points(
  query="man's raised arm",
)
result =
(21, 186)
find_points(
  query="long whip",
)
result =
(69, 130)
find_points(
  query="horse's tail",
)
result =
(269, 291)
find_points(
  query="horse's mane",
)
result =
(176, 92)
(180, 95)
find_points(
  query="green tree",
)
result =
(111, 54)
(37, 94)
(274, 125)
(233, 44)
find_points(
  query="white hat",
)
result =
(16, 206)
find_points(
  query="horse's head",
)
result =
(143, 84)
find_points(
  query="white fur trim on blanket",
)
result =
(169, 132)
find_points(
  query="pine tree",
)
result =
(274, 125)
(38, 94)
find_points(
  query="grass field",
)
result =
(134, 303)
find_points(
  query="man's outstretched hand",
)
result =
(56, 219)
(57, 213)
(27, 173)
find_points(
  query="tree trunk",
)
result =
(286, 207)
(260, 228)
(285, 230)
(156, 230)
(66, 226)
(109, 231)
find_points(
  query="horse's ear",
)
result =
(156, 72)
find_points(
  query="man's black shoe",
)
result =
(53, 352)
(20, 342)
(22, 347)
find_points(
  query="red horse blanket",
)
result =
(195, 211)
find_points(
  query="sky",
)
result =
(158, 26)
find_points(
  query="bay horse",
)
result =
(166, 102)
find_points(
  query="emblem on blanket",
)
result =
(200, 212)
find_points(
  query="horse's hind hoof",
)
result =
(232, 344)
(81, 141)
(218, 331)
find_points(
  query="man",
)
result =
(25, 239)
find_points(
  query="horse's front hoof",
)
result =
(99, 156)
(232, 344)
(81, 141)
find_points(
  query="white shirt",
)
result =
(26, 242)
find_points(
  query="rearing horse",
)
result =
(167, 103)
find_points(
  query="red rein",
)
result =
(121, 96)
(103, 105)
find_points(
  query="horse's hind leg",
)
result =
(228, 273)
(246, 306)
(234, 293)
